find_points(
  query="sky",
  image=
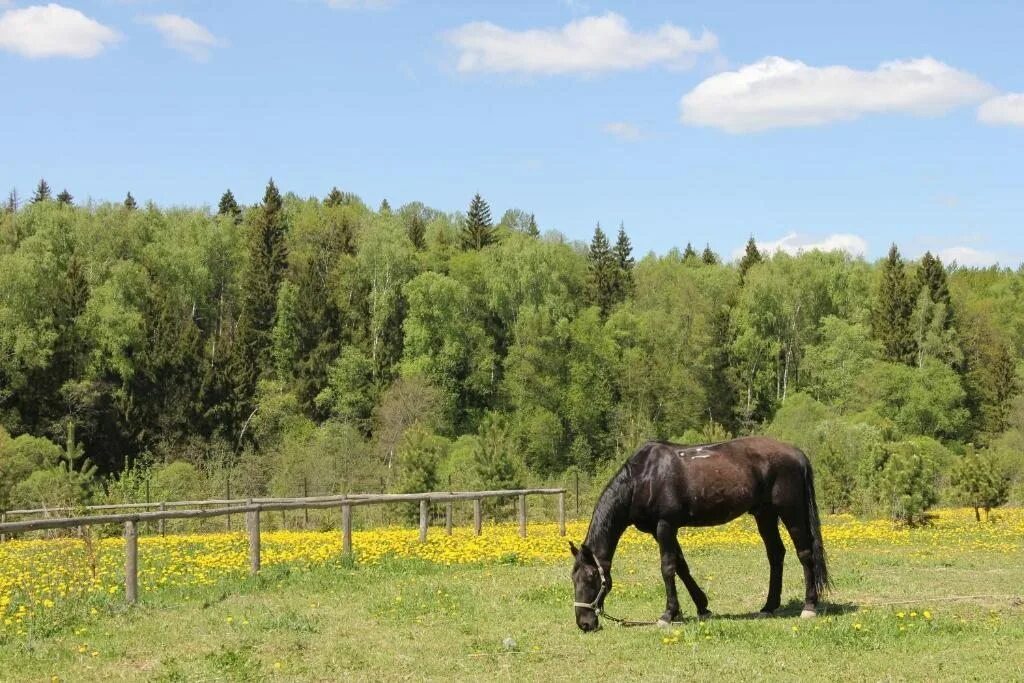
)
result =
(803, 124)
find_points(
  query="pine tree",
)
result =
(623, 253)
(708, 257)
(11, 206)
(42, 192)
(531, 227)
(689, 254)
(751, 256)
(478, 231)
(65, 198)
(229, 207)
(894, 305)
(129, 202)
(604, 271)
(385, 208)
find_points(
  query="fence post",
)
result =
(477, 516)
(131, 562)
(561, 513)
(424, 506)
(305, 511)
(448, 517)
(252, 521)
(522, 515)
(162, 525)
(346, 530)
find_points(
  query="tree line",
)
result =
(408, 349)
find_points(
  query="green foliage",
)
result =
(420, 457)
(229, 207)
(495, 458)
(42, 193)
(604, 272)
(751, 257)
(178, 480)
(979, 481)
(129, 202)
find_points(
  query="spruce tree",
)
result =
(708, 257)
(229, 207)
(932, 274)
(65, 198)
(751, 256)
(335, 198)
(385, 208)
(417, 231)
(268, 258)
(689, 254)
(604, 271)
(531, 228)
(129, 202)
(478, 231)
(11, 206)
(42, 193)
(894, 304)
(623, 253)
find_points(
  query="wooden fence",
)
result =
(252, 508)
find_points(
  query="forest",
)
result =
(320, 345)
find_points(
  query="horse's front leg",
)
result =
(666, 537)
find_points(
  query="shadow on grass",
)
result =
(792, 609)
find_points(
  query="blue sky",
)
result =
(802, 123)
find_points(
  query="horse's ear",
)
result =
(573, 549)
(588, 554)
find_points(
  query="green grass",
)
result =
(407, 620)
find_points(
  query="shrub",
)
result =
(979, 482)
(178, 481)
(904, 480)
(52, 487)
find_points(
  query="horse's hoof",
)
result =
(762, 615)
(705, 615)
(808, 614)
(661, 623)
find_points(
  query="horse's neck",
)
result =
(611, 518)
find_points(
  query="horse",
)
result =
(664, 486)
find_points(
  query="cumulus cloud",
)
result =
(584, 46)
(794, 243)
(777, 92)
(969, 256)
(184, 35)
(1006, 110)
(623, 131)
(53, 31)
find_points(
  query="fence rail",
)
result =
(252, 507)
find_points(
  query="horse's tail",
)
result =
(821, 580)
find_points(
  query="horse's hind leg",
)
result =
(768, 526)
(796, 522)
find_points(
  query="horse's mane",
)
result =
(612, 504)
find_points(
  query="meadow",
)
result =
(940, 602)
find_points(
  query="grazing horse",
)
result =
(664, 486)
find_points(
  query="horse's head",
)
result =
(590, 586)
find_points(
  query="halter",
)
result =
(595, 605)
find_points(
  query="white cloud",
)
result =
(794, 243)
(184, 35)
(53, 31)
(623, 131)
(584, 46)
(777, 92)
(968, 256)
(1007, 110)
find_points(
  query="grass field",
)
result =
(499, 608)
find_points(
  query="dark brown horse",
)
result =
(664, 486)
